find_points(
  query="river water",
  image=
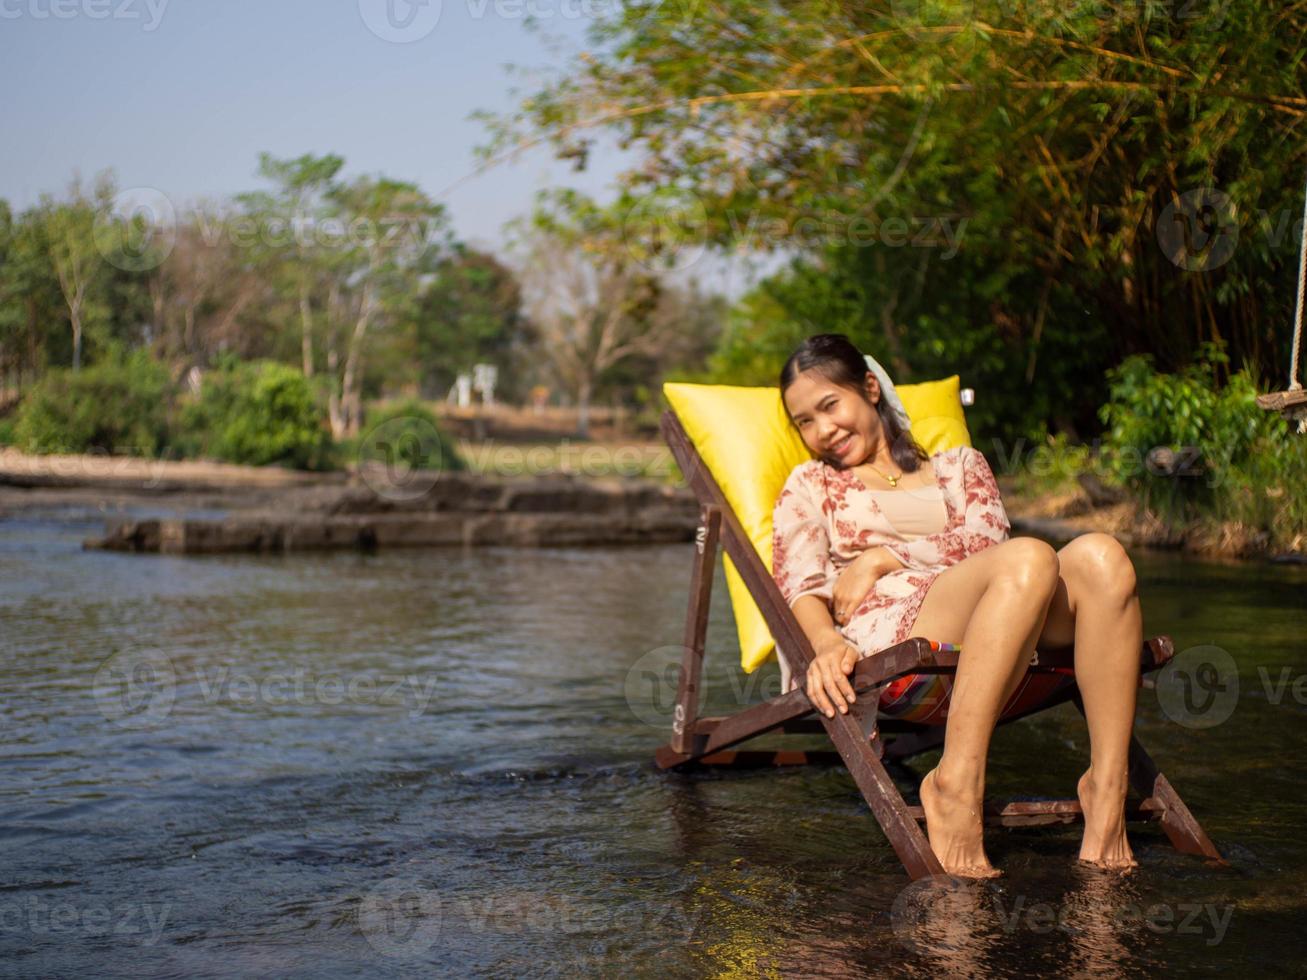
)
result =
(439, 763)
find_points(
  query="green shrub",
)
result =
(118, 406)
(407, 432)
(257, 413)
(1051, 466)
(1265, 492)
(1246, 463)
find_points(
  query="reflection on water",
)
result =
(410, 763)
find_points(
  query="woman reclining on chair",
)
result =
(875, 542)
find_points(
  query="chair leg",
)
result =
(1183, 830)
(696, 629)
(887, 804)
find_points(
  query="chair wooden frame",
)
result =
(861, 739)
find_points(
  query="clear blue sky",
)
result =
(182, 95)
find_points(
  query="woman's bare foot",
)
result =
(1104, 843)
(956, 831)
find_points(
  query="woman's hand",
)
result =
(828, 680)
(857, 579)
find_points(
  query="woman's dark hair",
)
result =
(833, 356)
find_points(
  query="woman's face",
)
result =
(836, 423)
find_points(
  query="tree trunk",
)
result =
(354, 406)
(583, 409)
(888, 327)
(333, 365)
(350, 401)
(76, 317)
(306, 330)
(157, 313)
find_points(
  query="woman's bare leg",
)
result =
(1096, 606)
(994, 603)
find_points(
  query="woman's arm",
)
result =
(805, 575)
(834, 658)
(984, 521)
(815, 619)
(801, 560)
(858, 578)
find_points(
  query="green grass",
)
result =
(650, 460)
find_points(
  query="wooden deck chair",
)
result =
(877, 725)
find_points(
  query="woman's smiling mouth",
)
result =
(842, 447)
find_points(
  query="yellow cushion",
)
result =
(745, 437)
(935, 408)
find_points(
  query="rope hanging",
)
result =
(1294, 383)
(1300, 412)
(1292, 404)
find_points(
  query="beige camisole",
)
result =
(916, 512)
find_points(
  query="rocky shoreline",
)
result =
(193, 508)
(457, 510)
(1060, 517)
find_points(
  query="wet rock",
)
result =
(459, 510)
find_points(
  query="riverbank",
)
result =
(200, 507)
(1063, 513)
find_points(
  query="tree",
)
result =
(1105, 160)
(68, 232)
(395, 233)
(201, 291)
(31, 304)
(592, 302)
(292, 222)
(470, 313)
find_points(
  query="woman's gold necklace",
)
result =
(892, 480)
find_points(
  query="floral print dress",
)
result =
(826, 517)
